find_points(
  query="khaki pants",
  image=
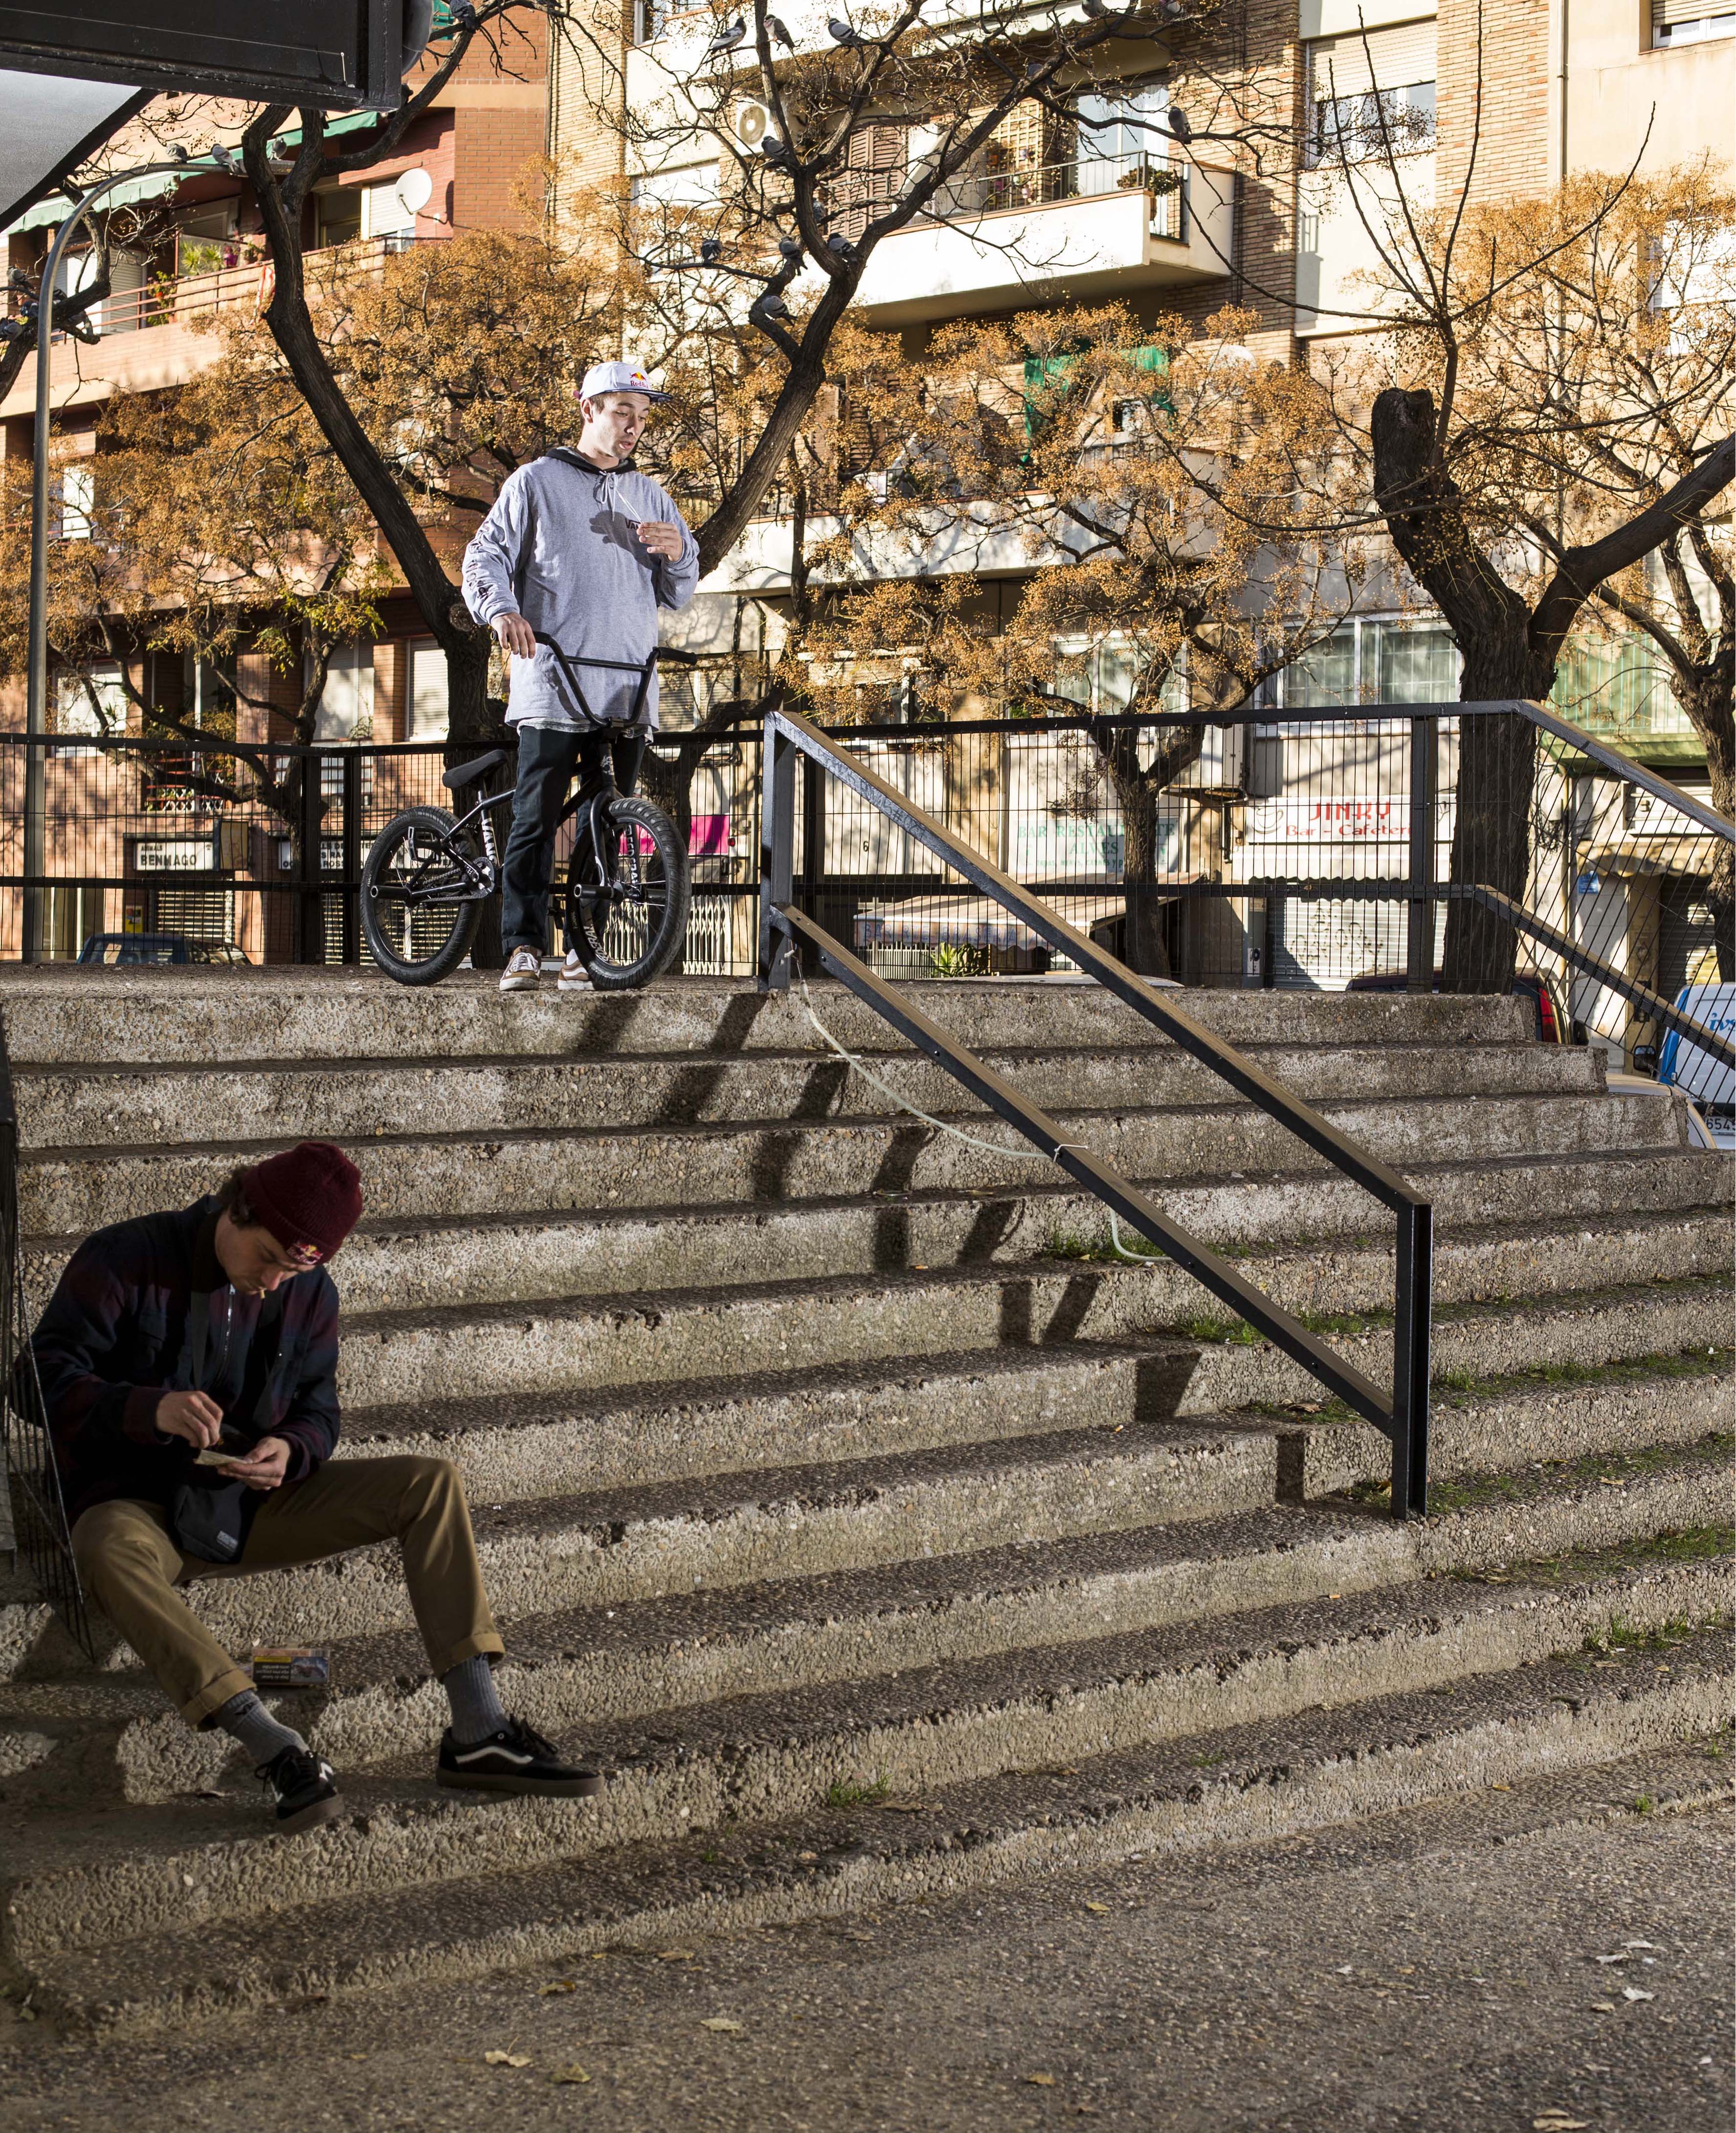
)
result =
(130, 1567)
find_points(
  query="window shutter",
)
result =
(1669, 14)
(873, 178)
(1402, 55)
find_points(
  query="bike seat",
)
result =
(467, 773)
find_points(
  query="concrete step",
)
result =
(158, 1018)
(570, 1671)
(527, 1447)
(616, 1548)
(1552, 1743)
(398, 1262)
(124, 1106)
(395, 1358)
(604, 1546)
(89, 1882)
(441, 1174)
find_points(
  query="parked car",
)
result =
(116, 949)
(1548, 1026)
(1679, 1063)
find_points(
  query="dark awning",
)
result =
(48, 125)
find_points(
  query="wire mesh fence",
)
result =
(1317, 849)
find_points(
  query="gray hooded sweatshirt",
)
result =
(559, 548)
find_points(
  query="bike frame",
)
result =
(485, 880)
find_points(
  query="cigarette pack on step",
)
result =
(290, 1666)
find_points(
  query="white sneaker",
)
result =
(574, 977)
(523, 973)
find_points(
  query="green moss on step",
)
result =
(1472, 1492)
(849, 1792)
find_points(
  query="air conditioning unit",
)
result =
(750, 126)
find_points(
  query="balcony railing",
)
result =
(247, 285)
(1085, 177)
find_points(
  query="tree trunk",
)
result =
(1498, 770)
(1491, 625)
(1143, 947)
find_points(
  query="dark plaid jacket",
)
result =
(117, 1335)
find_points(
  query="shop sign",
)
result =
(171, 855)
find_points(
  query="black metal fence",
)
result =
(34, 1507)
(1318, 851)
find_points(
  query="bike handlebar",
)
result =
(644, 669)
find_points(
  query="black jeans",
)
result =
(548, 757)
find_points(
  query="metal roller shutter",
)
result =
(1402, 55)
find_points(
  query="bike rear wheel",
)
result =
(417, 928)
(628, 919)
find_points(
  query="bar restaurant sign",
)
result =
(171, 855)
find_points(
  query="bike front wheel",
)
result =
(626, 908)
(419, 907)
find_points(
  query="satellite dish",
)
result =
(414, 189)
(752, 123)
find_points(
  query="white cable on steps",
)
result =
(958, 1133)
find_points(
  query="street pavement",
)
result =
(1438, 1969)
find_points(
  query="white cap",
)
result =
(617, 377)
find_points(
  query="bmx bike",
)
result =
(428, 874)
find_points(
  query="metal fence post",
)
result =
(352, 929)
(776, 853)
(1420, 912)
(813, 835)
(310, 905)
(1413, 1307)
(35, 800)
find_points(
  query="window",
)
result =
(1120, 132)
(75, 713)
(203, 241)
(78, 500)
(339, 215)
(1690, 22)
(1367, 91)
(1387, 662)
(345, 709)
(426, 710)
(695, 184)
(384, 214)
(878, 162)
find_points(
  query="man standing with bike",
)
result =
(582, 548)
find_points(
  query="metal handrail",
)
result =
(1084, 176)
(1404, 1417)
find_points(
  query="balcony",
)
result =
(157, 334)
(1089, 227)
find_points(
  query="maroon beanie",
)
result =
(309, 1197)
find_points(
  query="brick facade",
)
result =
(587, 79)
(1512, 130)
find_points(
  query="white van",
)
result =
(1702, 1077)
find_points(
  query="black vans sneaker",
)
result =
(305, 1789)
(516, 1760)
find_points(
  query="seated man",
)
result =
(217, 1326)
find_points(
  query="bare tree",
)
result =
(1518, 464)
(1160, 488)
(883, 127)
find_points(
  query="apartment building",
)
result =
(460, 167)
(1500, 100)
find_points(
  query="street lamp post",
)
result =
(35, 722)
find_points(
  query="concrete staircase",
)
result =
(839, 1489)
